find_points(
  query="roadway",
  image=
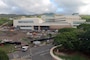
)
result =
(34, 53)
(41, 53)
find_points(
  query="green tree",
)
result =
(3, 56)
(85, 39)
(39, 16)
(84, 27)
(10, 23)
(76, 40)
(66, 30)
(69, 40)
(87, 17)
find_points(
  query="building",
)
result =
(48, 22)
(74, 20)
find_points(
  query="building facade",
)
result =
(48, 22)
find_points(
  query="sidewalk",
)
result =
(54, 56)
(21, 59)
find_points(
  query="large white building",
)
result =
(48, 22)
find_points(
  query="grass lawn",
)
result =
(7, 48)
(76, 56)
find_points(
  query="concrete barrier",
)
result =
(52, 54)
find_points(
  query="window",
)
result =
(25, 26)
(25, 21)
(77, 22)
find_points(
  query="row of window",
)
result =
(25, 22)
(25, 26)
(77, 22)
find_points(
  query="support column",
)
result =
(32, 27)
(39, 28)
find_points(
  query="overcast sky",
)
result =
(44, 6)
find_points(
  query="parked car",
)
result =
(25, 48)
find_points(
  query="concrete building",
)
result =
(48, 22)
(73, 20)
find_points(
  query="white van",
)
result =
(25, 48)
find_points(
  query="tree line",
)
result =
(74, 39)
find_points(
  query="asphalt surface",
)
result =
(41, 53)
(34, 53)
(20, 55)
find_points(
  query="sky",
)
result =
(44, 6)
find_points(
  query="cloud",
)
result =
(85, 9)
(3, 6)
(29, 6)
(44, 6)
(69, 6)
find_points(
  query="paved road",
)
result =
(41, 53)
(35, 53)
(20, 55)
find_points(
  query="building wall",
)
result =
(27, 22)
(74, 20)
(59, 26)
(55, 22)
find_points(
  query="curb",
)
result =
(54, 56)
